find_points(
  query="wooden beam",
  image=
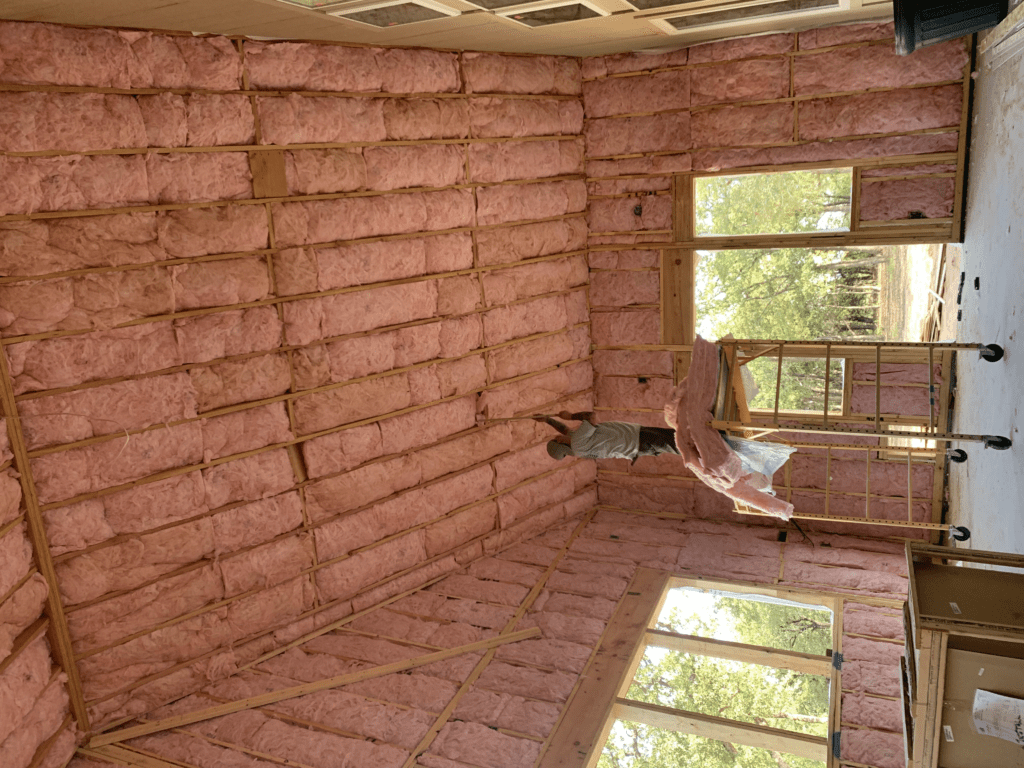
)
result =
(119, 755)
(720, 729)
(579, 737)
(806, 663)
(60, 637)
(272, 697)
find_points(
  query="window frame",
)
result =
(587, 721)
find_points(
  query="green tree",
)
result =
(744, 692)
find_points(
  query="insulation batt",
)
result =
(826, 150)
(38, 724)
(754, 80)
(600, 260)
(619, 289)
(613, 328)
(626, 135)
(601, 66)
(646, 93)
(412, 119)
(515, 118)
(224, 384)
(911, 110)
(641, 165)
(124, 406)
(526, 357)
(132, 511)
(902, 198)
(858, 69)
(498, 73)
(847, 33)
(504, 245)
(741, 48)
(483, 746)
(744, 126)
(20, 610)
(102, 465)
(616, 214)
(31, 122)
(311, 67)
(525, 160)
(704, 451)
(498, 205)
(504, 286)
(15, 557)
(350, 219)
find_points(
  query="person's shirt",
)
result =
(607, 440)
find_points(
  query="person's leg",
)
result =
(657, 440)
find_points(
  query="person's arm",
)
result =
(562, 428)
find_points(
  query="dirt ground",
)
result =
(906, 279)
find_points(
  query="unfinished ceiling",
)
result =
(564, 27)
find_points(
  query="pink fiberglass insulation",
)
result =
(254, 477)
(626, 328)
(659, 92)
(500, 73)
(40, 721)
(619, 289)
(132, 511)
(198, 177)
(704, 451)
(5, 455)
(600, 260)
(245, 431)
(412, 119)
(509, 244)
(910, 109)
(102, 465)
(930, 198)
(524, 500)
(845, 33)
(744, 125)
(632, 363)
(204, 338)
(515, 118)
(405, 70)
(714, 160)
(626, 392)
(72, 182)
(20, 610)
(627, 135)
(42, 247)
(363, 400)
(326, 221)
(483, 746)
(304, 66)
(504, 286)
(345, 313)
(502, 204)
(524, 160)
(31, 122)
(317, 171)
(15, 557)
(601, 66)
(224, 384)
(218, 119)
(741, 48)
(297, 119)
(842, 70)
(129, 564)
(618, 214)
(679, 163)
(525, 357)
(103, 410)
(527, 395)
(538, 316)
(750, 80)
(385, 519)
(364, 263)
(49, 54)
